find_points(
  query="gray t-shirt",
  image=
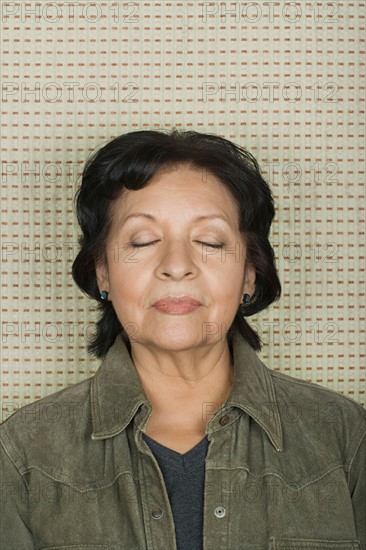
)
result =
(184, 477)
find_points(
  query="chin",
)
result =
(176, 338)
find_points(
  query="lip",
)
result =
(177, 301)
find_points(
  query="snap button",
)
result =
(156, 513)
(224, 420)
(220, 511)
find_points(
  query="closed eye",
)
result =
(138, 245)
(212, 245)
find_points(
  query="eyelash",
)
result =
(136, 245)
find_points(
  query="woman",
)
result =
(183, 438)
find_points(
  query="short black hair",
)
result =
(130, 161)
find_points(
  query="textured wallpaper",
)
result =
(286, 80)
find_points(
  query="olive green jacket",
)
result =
(285, 467)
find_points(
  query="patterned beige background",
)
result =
(284, 79)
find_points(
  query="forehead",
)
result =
(188, 192)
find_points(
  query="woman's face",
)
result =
(178, 263)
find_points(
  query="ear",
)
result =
(101, 271)
(249, 279)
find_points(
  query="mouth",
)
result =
(175, 300)
(177, 306)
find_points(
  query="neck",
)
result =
(172, 395)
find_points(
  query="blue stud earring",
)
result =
(104, 295)
(246, 298)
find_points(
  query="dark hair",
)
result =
(130, 161)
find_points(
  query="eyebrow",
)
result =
(151, 217)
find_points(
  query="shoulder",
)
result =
(304, 392)
(46, 423)
(319, 410)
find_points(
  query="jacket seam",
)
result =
(354, 457)
(21, 475)
(337, 467)
(10, 458)
(94, 409)
(354, 438)
(17, 460)
(95, 488)
(271, 390)
(22, 480)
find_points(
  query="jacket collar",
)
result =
(117, 393)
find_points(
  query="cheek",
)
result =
(228, 274)
(130, 285)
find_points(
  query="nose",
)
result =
(177, 261)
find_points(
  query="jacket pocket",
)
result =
(308, 544)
